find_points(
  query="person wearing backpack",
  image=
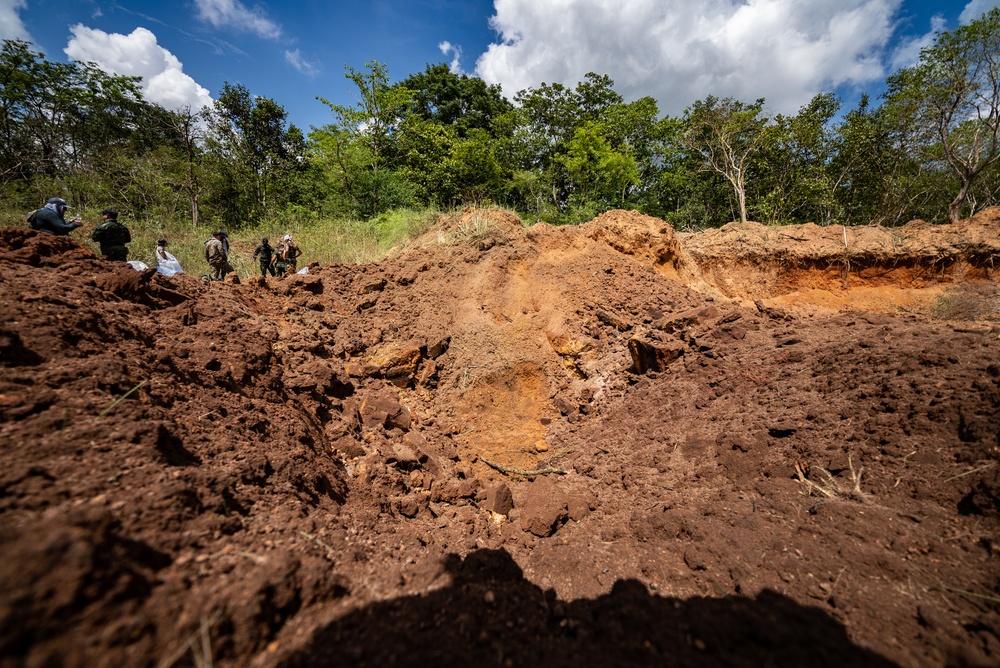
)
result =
(51, 218)
(292, 254)
(112, 236)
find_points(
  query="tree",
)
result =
(367, 132)
(791, 172)
(727, 134)
(70, 128)
(599, 174)
(254, 150)
(188, 130)
(440, 96)
(952, 97)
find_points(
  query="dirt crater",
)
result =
(509, 445)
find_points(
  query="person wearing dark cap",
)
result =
(51, 218)
(112, 236)
(266, 254)
(216, 256)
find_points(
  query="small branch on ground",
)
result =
(831, 488)
(509, 471)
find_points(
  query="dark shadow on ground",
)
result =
(491, 616)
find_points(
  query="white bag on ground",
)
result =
(170, 266)
(137, 265)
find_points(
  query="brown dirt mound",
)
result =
(517, 446)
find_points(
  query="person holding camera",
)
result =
(51, 218)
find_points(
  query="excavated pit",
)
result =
(608, 444)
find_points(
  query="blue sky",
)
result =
(676, 51)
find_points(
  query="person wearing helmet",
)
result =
(292, 253)
(51, 218)
(112, 236)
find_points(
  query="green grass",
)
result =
(323, 241)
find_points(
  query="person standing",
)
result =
(112, 236)
(51, 218)
(216, 256)
(166, 263)
(266, 254)
(280, 265)
(292, 254)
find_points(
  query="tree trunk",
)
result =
(955, 208)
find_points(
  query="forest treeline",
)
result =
(926, 148)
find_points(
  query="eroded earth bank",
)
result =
(602, 445)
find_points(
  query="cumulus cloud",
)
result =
(975, 9)
(234, 15)
(11, 26)
(138, 54)
(908, 52)
(679, 51)
(455, 51)
(295, 59)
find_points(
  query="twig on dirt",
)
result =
(119, 400)
(510, 471)
(255, 558)
(198, 643)
(316, 539)
(831, 488)
(991, 599)
(986, 466)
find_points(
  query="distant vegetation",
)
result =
(436, 140)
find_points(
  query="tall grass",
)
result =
(325, 241)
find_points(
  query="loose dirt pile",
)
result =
(602, 445)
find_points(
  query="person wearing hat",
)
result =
(166, 263)
(216, 256)
(51, 218)
(112, 236)
(292, 253)
(266, 254)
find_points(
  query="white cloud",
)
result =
(975, 9)
(235, 15)
(679, 51)
(908, 52)
(138, 54)
(295, 59)
(455, 50)
(11, 26)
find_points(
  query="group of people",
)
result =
(113, 238)
(110, 234)
(275, 261)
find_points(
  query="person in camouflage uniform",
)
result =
(216, 256)
(292, 253)
(112, 236)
